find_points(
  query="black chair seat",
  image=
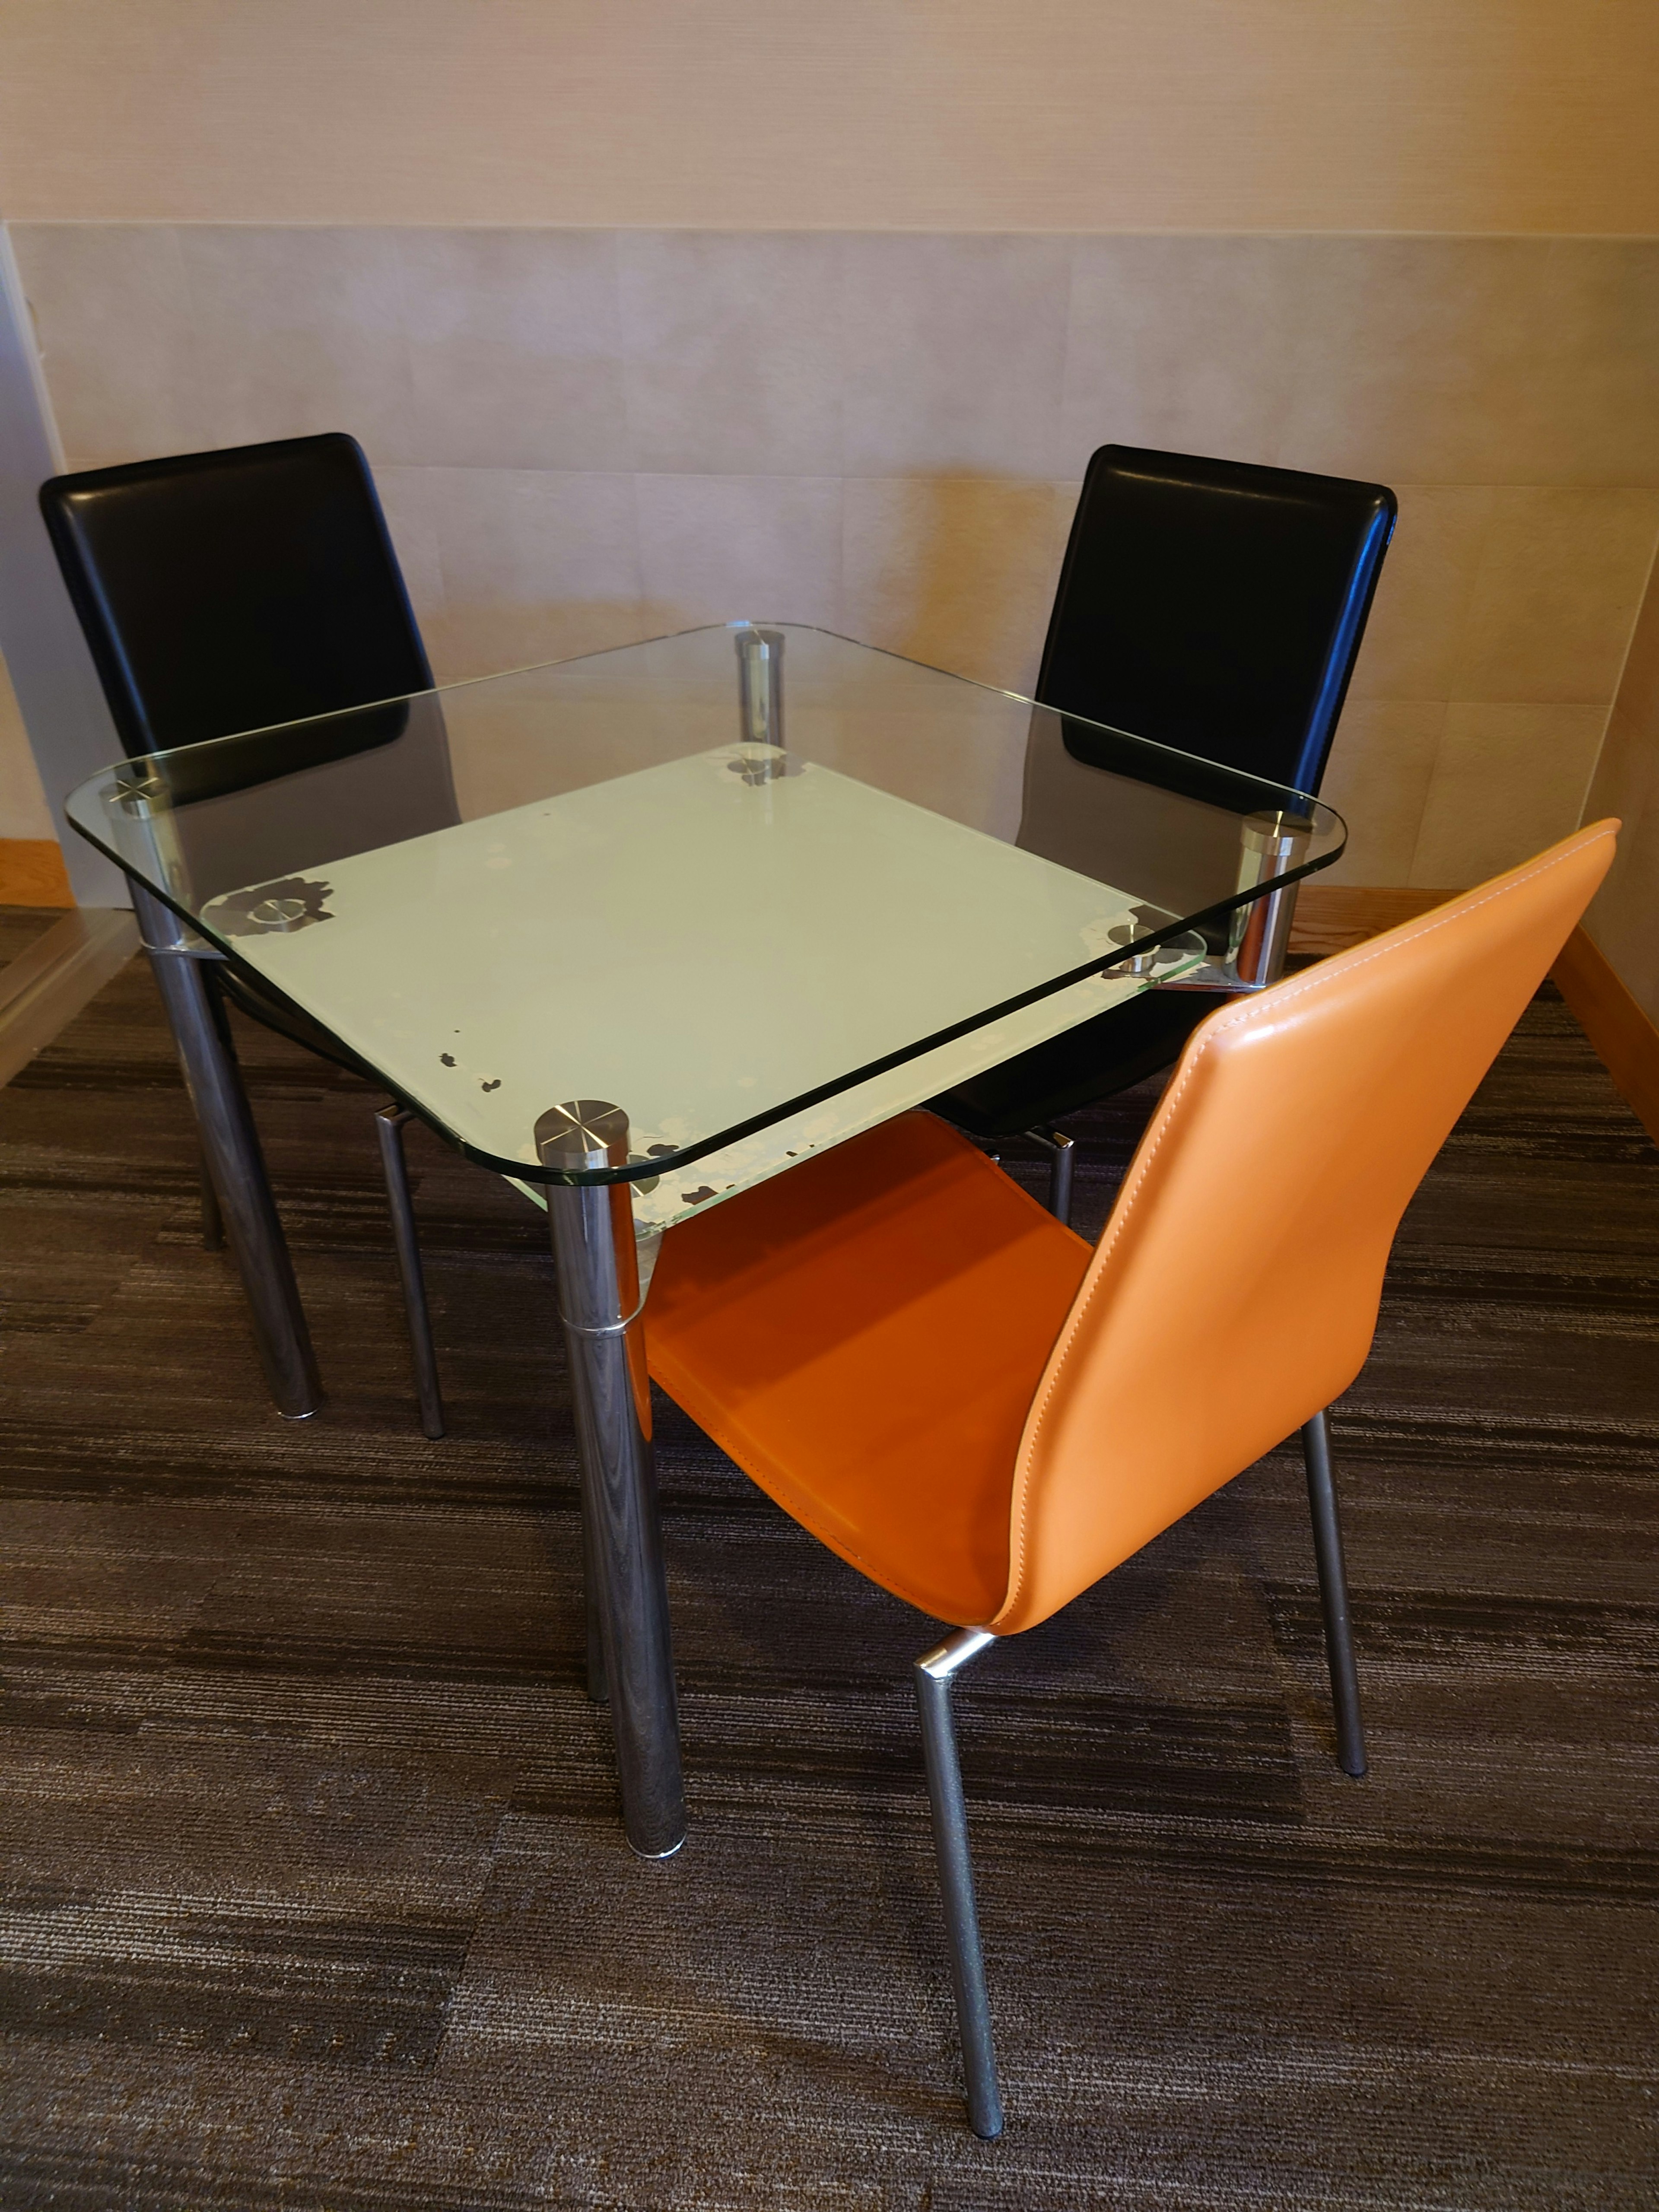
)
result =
(1116, 1050)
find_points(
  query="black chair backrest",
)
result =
(1215, 606)
(229, 591)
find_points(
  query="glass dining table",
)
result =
(641, 929)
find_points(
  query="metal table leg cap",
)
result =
(677, 1845)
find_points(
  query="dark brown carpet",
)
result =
(315, 1896)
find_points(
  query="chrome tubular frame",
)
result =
(235, 1164)
(592, 1227)
(933, 1674)
(389, 1126)
(1062, 1158)
(1259, 935)
(1334, 1595)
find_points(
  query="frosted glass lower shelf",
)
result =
(698, 943)
(670, 1198)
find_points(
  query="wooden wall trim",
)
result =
(1330, 917)
(1615, 1023)
(31, 872)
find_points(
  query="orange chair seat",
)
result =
(863, 1335)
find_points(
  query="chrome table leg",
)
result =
(593, 1610)
(592, 1227)
(230, 1145)
(213, 1222)
(389, 1124)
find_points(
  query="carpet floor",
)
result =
(314, 1895)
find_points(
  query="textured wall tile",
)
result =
(295, 331)
(113, 320)
(536, 566)
(1622, 917)
(1561, 581)
(1639, 682)
(515, 349)
(1509, 780)
(1186, 344)
(733, 351)
(1417, 618)
(1472, 359)
(959, 571)
(1380, 767)
(24, 808)
(719, 548)
(955, 353)
(407, 496)
(1588, 398)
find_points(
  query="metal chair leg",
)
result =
(1334, 1595)
(389, 1129)
(932, 1676)
(1062, 1156)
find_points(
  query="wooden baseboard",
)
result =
(31, 872)
(1616, 1024)
(1330, 917)
(49, 981)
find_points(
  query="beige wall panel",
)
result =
(535, 566)
(733, 351)
(720, 548)
(1624, 918)
(114, 321)
(1476, 359)
(1561, 581)
(1505, 115)
(514, 346)
(1381, 765)
(1639, 683)
(802, 354)
(1417, 622)
(953, 353)
(955, 572)
(1508, 781)
(295, 331)
(410, 499)
(1189, 344)
(24, 808)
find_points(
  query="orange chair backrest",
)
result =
(1235, 1290)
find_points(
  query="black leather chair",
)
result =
(1215, 607)
(233, 590)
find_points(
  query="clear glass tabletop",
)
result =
(760, 887)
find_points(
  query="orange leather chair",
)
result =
(985, 1415)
